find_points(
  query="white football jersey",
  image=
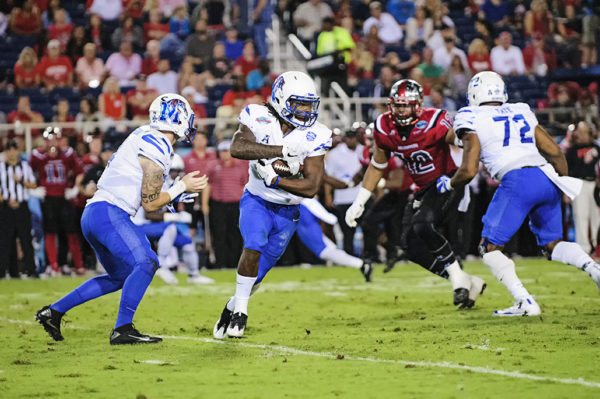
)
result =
(506, 133)
(121, 181)
(314, 141)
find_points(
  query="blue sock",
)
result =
(93, 288)
(133, 291)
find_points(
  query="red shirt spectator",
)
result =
(25, 69)
(61, 30)
(227, 177)
(153, 29)
(55, 70)
(134, 8)
(201, 157)
(53, 167)
(113, 103)
(26, 20)
(24, 114)
(479, 62)
(139, 100)
(248, 61)
(539, 59)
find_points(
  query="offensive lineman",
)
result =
(284, 128)
(418, 135)
(133, 177)
(532, 170)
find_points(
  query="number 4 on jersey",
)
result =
(524, 129)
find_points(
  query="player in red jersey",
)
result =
(418, 136)
(53, 167)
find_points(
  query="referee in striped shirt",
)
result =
(16, 177)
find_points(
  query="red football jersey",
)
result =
(54, 172)
(424, 151)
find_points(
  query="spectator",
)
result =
(373, 43)
(432, 72)
(494, 11)
(591, 24)
(201, 157)
(261, 79)
(179, 24)
(150, 62)
(308, 18)
(76, 44)
(192, 96)
(262, 19)
(97, 34)
(89, 69)
(63, 115)
(124, 65)
(507, 59)
(227, 177)
(87, 117)
(334, 39)
(342, 163)
(48, 15)
(388, 28)
(538, 56)
(219, 66)
(384, 83)
(361, 65)
(55, 70)
(128, 32)
(486, 32)
(560, 119)
(443, 56)
(187, 77)
(108, 10)
(248, 61)
(418, 28)
(26, 20)
(436, 99)
(112, 104)
(233, 46)
(458, 79)
(538, 19)
(89, 183)
(199, 46)
(139, 100)
(479, 56)
(401, 10)
(3, 24)
(61, 29)
(582, 158)
(154, 29)
(24, 114)
(164, 80)
(25, 69)
(168, 7)
(16, 178)
(133, 8)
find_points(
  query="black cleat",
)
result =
(461, 297)
(128, 335)
(392, 260)
(50, 320)
(367, 270)
(237, 325)
(220, 329)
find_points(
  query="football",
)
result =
(282, 168)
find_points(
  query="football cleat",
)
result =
(50, 320)
(167, 276)
(80, 271)
(393, 259)
(525, 307)
(220, 329)
(128, 335)
(367, 270)
(237, 325)
(461, 283)
(478, 285)
(200, 279)
(593, 269)
(66, 270)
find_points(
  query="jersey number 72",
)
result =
(524, 129)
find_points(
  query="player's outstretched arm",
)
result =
(244, 146)
(551, 151)
(313, 176)
(153, 198)
(470, 164)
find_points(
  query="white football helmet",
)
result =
(486, 87)
(172, 113)
(293, 89)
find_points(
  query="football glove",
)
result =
(266, 172)
(443, 184)
(71, 193)
(179, 217)
(358, 207)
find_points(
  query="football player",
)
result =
(287, 128)
(532, 171)
(417, 135)
(134, 177)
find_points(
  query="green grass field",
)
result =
(313, 333)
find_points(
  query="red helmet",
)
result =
(406, 101)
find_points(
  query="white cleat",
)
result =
(525, 307)
(200, 279)
(167, 276)
(477, 287)
(593, 269)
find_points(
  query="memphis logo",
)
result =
(278, 85)
(263, 119)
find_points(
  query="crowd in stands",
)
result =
(99, 62)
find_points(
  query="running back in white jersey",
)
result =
(314, 141)
(121, 181)
(506, 133)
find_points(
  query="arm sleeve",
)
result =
(154, 149)
(464, 122)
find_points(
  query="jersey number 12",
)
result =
(524, 129)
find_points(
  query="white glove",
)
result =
(294, 168)
(38, 192)
(266, 172)
(358, 207)
(290, 154)
(71, 193)
(349, 182)
(180, 217)
(381, 183)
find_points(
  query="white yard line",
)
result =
(446, 365)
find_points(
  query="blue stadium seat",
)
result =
(8, 99)
(92, 91)
(217, 92)
(45, 109)
(403, 53)
(365, 87)
(35, 94)
(67, 93)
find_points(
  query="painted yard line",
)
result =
(446, 365)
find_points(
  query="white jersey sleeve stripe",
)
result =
(433, 119)
(380, 129)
